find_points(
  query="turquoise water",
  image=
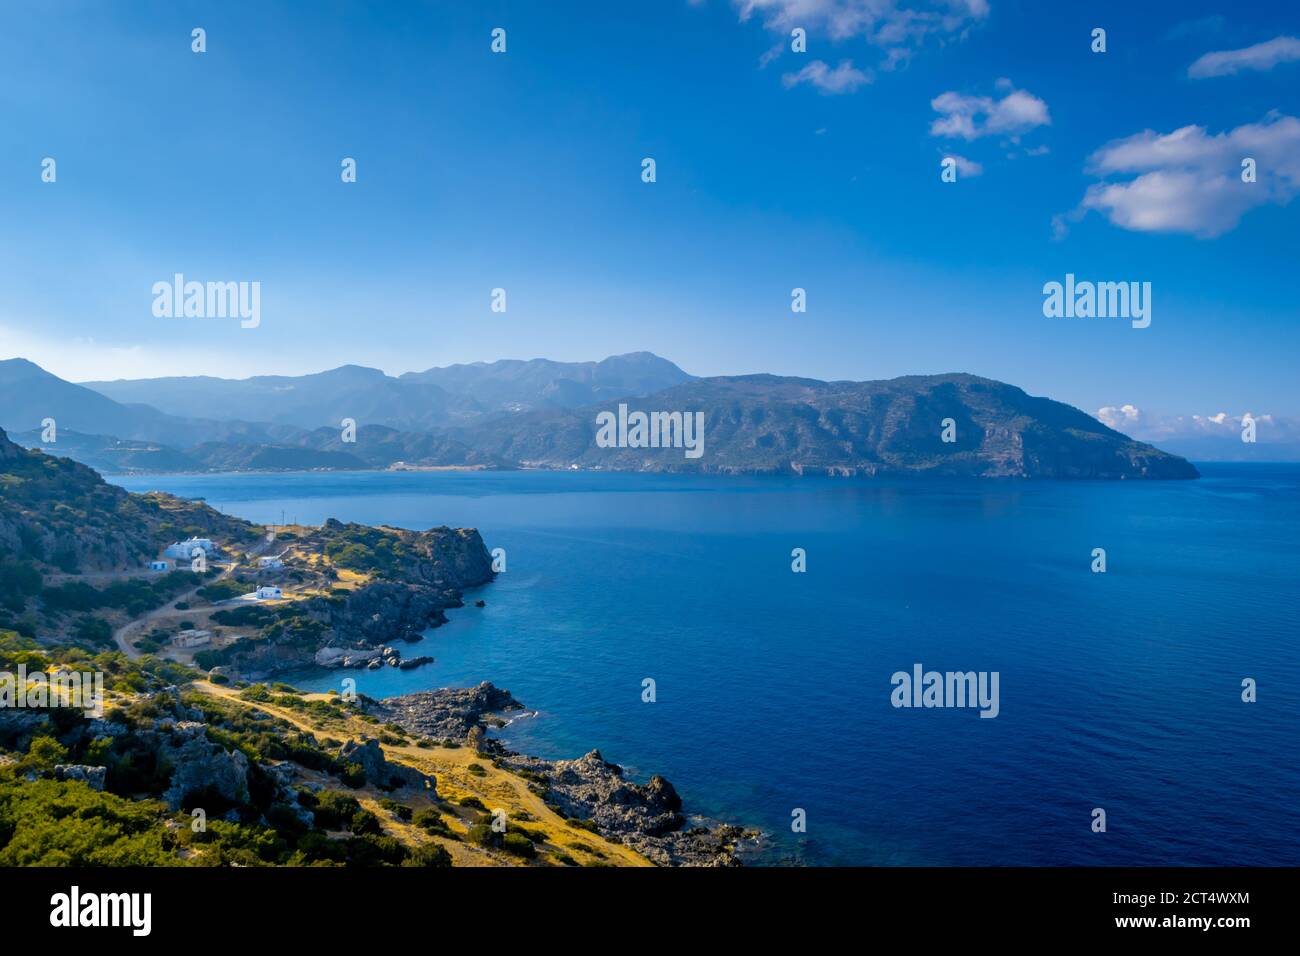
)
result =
(1119, 690)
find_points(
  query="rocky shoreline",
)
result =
(358, 630)
(645, 817)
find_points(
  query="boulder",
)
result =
(92, 777)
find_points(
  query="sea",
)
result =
(1163, 692)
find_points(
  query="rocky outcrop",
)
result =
(382, 612)
(380, 771)
(647, 817)
(593, 789)
(202, 767)
(422, 577)
(447, 714)
(92, 777)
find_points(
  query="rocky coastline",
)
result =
(359, 628)
(591, 790)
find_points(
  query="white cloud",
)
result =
(966, 168)
(844, 78)
(1156, 428)
(971, 117)
(1119, 418)
(1261, 56)
(1189, 181)
(897, 26)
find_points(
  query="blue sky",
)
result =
(522, 170)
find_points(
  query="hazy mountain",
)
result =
(304, 401)
(29, 395)
(376, 447)
(752, 424)
(109, 455)
(772, 425)
(512, 385)
(459, 394)
(380, 447)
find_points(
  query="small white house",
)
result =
(270, 564)
(269, 593)
(160, 565)
(192, 639)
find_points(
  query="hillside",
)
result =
(59, 514)
(765, 424)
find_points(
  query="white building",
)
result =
(192, 639)
(160, 565)
(270, 563)
(185, 549)
(268, 593)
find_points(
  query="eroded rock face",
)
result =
(380, 771)
(452, 558)
(447, 714)
(382, 612)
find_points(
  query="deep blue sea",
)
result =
(1119, 690)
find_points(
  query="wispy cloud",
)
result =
(1261, 56)
(845, 78)
(971, 117)
(897, 26)
(1189, 181)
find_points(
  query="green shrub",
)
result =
(518, 845)
(334, 808)
(429, 854)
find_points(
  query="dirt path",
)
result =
(451, 767)
(122, 635)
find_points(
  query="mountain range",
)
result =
(544, 414)
(416, 401)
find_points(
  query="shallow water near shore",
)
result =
(1119, 690)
